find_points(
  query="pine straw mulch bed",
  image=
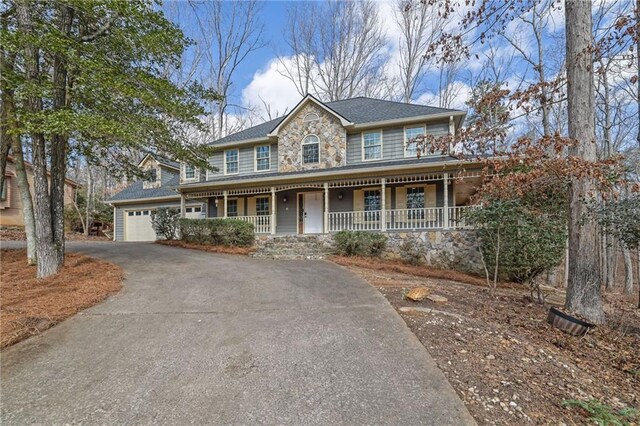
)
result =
(506, 363)
(18, 234)
(30, 306)
(206, 247)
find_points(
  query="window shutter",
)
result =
(401, 198)
(387, 198)
(251, 206)
(358, 205)
(240, 206)
(430, 195)
(220, 212)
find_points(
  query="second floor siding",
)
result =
(246, 161)
(392, 142)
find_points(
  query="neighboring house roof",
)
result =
(135, 191)
(29, 168)
(360, 110)
(163, 161)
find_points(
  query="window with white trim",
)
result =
(312, 116)
(4, 190)
(372, 145)
(189, 171)
(262, 206)
(310, 149)
(231, 161)
(263, 158)
(410, 148)
(232, 207)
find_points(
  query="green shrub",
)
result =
(360, 243)
(412, 251)
(602, 414)
(223, 232)
(165, 222)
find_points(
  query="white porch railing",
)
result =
(427, 218)
(398, 219)
(261, 224)
(354, 221)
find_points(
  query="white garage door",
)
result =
(194, 212)
(138, 226)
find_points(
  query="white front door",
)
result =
(313, 212)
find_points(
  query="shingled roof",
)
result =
(136, 191)
(360, 110)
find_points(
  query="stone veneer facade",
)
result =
(332, 135)
(455, 249)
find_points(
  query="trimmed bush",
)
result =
(165, 223)
(412, 251)
(359, 243)
(223, 232)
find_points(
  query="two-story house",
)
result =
(322, 168)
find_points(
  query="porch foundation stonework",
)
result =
(447, 249)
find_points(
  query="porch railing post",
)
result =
(445, 214)
(325, 226)
(183, 208)
(383, 204)
(273, 210)
(224, 210)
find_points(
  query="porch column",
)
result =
(383, 204)
(224, 205)
(446, 201)
(273, 210)
(183, 208)
(325, 226)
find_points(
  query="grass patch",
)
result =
(602, 414)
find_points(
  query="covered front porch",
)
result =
(392, 203)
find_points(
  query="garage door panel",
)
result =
(138, 226)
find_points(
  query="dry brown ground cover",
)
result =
(505, 362)
(29, 306)
(18, 234)
(207, 247)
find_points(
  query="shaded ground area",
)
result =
(15, 233)
(204, 338)
(30, 306)
(207, 247)
(506, 363)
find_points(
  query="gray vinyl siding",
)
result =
(120, 210)
(392, 142)
(166, 175)
(246, 161)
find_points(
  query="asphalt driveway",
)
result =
(200, 338)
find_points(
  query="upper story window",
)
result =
(231, 161)
(189, 172)
(311, 117)
(372, 145)
(263, 158)
(410, 149)
(310, 149)
(151, 179)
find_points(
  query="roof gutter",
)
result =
(399, 121)
(325, 174)
(115, 203)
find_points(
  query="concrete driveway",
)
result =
(199, 338)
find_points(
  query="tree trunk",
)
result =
(583, 290)
(628, 270)
(88, 201)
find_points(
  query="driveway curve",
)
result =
(201, 338)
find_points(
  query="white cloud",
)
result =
(457, 91)
(270, 86)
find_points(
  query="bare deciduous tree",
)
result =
(420, 25)
(337, 49)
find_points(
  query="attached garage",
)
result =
(138, 226)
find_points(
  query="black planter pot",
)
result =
(567, 323)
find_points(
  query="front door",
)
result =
(312, 212)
